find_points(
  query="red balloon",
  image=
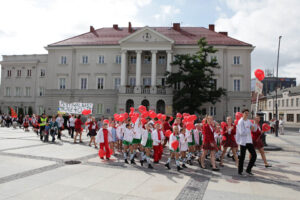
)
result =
(159, 116)
(121, 118)
(194, 117)
(133, 119)
(238, 115)
(125, 115)
(152, 114)
(145, 114)
(185, 114)
(259, 74)
(266, 127)
(236, 122)
(164, 117)
(116, 115)
(89, 112)
(171, 118)
(190, 126)
(178, 115)
(168, 133)
(132, 109)
(84, 112)
(223, 124)
(101, 153)
(142, 108)
(143, 120)
(175, 145)
(106, 121)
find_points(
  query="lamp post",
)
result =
(276, 109)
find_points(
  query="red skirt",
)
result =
(208, 146)
(258, 144)
(229, 143)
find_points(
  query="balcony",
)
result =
(146, 90)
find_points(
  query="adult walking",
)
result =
(78, 129)
(244, 139)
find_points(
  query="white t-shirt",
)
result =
(243, 132)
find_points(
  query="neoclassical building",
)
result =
(118, 67)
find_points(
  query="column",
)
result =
(169, 61)
(153, 72)
(138, 70)
(123, 71)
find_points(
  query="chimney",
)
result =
(211, 27)
(224, 33)
(92, 29)
(176, 26)
(115, 26)
(129, 27)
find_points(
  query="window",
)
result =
(213, 58)
(213, 111)
(297, 102)
(132, 59)
(41, 110)
(287, 103)
(132, 81)
(298, 118)
(177, 86)
(42, 91)
(282, 102)
(236, 109)
(236, 60)
(7, 91)
(101, 60)
(84, 59)
(18, 91)
(43, 72)
(147, 59)
(147, 81)
(292, 102)
(19, 73)
(28, 72)
(290, 117)
(8, 73)
(100, 83)
(161, 60)
(118, 59)
(62, 83)
(99, 108)
(270, 104)
(63, 60)
(27, 91)
(117, 82)
(213, 83)
(236, 85)
(83, 83)
(278, 103)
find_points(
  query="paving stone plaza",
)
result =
(31, 169)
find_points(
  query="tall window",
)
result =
(18, 91)
(28, 72)
(147, 59)
(8, 73)
(27, 91)
(63, 60)
(177, 86)
(117, 83)
(236, 60)
(84, 59)
(290, 117)
(83, 83)
(100, 83)
(236, 85)
(118, 59)
(62, 83)
(282, 102)
(292, 102)
(278, 103)
(132, 59)
(236, 109)
(287, 103)
(270, 104)
(19, 73)
(298, 118)
(101, 60)
(99, 108)
(42, 91)
(147, 81)
(213, 111)
(297, 102)
(7, 91)
(43, 72)
(132, 81)
(161, 60)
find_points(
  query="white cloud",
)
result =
(166, 12)
(260, 22)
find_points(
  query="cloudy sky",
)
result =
(27, 26)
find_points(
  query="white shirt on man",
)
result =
(243, 132)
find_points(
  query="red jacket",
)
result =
(208, 135)
(256, 134)
(90, 124)
(78, 124)
(225, 134)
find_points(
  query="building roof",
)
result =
(292, 91)
(183, 36)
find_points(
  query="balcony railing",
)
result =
(145, 90)
(129, 90)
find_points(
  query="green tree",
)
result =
(196, 74)
(30, 111)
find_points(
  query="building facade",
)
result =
(119, 67)
(269, 83)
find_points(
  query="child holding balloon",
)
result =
(174, 148)
(147, 142)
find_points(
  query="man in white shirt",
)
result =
(244, 139)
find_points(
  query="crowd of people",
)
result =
(144, 135)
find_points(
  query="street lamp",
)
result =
(277, 122)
